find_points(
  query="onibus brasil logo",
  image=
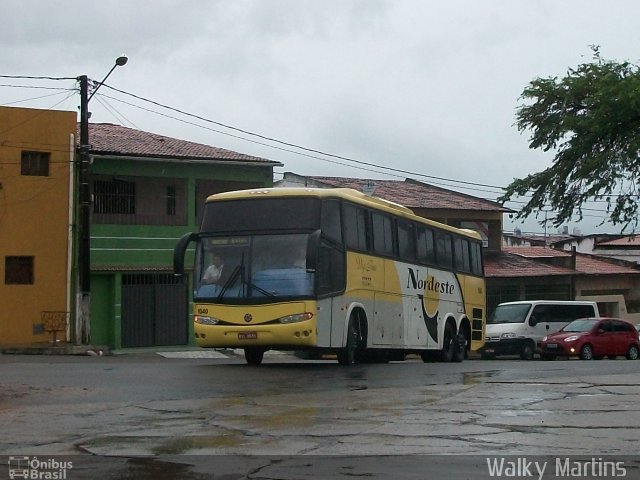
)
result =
(38, 469)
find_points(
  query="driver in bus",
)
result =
(213, 273)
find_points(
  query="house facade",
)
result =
(36, 180)
(147, 191)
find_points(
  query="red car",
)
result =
(592, 338)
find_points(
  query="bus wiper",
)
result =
(261, 290)
(230, 281)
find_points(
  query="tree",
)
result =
(590, 119)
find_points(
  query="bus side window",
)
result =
(331, 274)
(462, 260)
(331, 222)
(356, 227)
(406, 241)
(426, 251)
(382, 234)
(476, 258)
(444, 252)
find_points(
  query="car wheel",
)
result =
(632, 353)
(526, 353)
(587, 352)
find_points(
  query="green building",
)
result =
(148, 190)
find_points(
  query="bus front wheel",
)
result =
(254, 355)
(354, 349)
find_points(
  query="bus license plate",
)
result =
(247, 336)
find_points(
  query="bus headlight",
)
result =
(205, 320)
(298, 317)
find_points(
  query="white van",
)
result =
(516, 328)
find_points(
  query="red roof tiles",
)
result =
(109, 139)
(414, 194)
(585, 264)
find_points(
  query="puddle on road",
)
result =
(181, 445)
(474, 378)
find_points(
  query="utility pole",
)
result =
(83, 299)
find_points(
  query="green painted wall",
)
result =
(118, 249)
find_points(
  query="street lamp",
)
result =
(83, 301)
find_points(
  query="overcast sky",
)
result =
(430, 87)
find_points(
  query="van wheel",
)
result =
(527, 351)
(632, 353)
(587, 352)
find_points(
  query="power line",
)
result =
(293, 145)
(30, 77)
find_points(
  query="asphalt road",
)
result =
(147, 416)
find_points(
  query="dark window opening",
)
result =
(171, 199)
(35, 163)
(18, 271)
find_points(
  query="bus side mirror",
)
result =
(179, 252)
(313, 249)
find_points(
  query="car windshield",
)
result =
(510, 313)
(581, 325)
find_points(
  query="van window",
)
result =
(510, 313)
(551, 313)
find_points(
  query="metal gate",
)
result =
(154, 310)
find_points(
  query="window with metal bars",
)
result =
(114, 197)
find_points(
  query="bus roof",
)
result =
(349, 194)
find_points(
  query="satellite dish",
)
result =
(369, 188)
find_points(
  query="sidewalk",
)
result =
(60, 348)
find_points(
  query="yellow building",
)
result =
(36, 172)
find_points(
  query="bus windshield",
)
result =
(260, 267)
(509, 313)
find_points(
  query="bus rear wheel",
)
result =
(448, 344)
(254, 355)
(459, 346)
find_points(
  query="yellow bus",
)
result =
(333, 271)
